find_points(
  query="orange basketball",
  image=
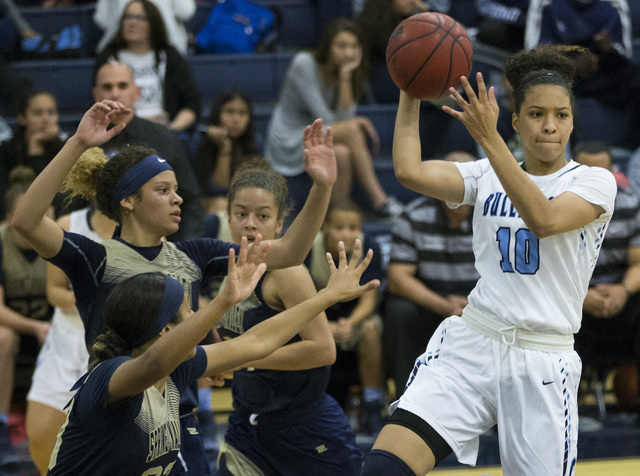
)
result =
(427, 53)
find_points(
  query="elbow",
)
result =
(330, 353)
(404, 176)
(542, 228)
(21, 225)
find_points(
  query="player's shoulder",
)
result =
(584, 172)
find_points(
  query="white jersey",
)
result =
(526, 282)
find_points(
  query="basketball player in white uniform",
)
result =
(537, 230)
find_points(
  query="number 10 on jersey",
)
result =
(526, 258)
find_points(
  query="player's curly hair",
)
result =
(81, 179)
(546, 64)
(257, 173)
(94, 176)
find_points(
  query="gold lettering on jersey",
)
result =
(233, 319)
(321, 449)
(164, 439)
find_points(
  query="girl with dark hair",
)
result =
(138, 189)
(284, 394)
(175, 14)
(537, 230)
(328, 83)
(229, 140)
(37, 139)
(24, 311)
(124, 416)
(169, 94)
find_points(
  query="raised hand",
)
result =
(319, 155)
(480, 114)
(345, 279)
(93, 129)
(244, 274)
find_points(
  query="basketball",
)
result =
(427, 53)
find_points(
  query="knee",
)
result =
(343, 155)
(8, 342)
(371, 333)
(381, 463)
(354, 132)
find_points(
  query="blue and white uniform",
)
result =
(136, 436)
(509, 359)
(63, 358)
(283, 421)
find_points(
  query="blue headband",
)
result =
(171, 302)
(138, 175)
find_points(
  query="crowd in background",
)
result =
(425, 253)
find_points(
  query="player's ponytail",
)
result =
(107, 346)
(546, 64)
(84, 175)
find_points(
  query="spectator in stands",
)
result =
(355, 325)
(115, 81)
(598, 77)
(23, 303)
(228, 141)
(169, 95)
(36, 141)
(174, 12)
(328, 83)
(13, 26)
(501, 23)
(576, 21)
(610, 330)
(431, 272)
(633, 172)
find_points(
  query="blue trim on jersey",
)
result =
(571, 169)
(93, 272)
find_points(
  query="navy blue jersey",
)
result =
(268, 391)
(95, 268)
(134, 436)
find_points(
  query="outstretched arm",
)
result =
(316, 346)
(166, 353)
(435, 178)
(320, 162)
(29, 219)
(543, 217)
(264, 338)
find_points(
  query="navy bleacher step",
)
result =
(298, 21)
(260, 75)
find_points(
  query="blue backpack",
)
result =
(237, 26)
